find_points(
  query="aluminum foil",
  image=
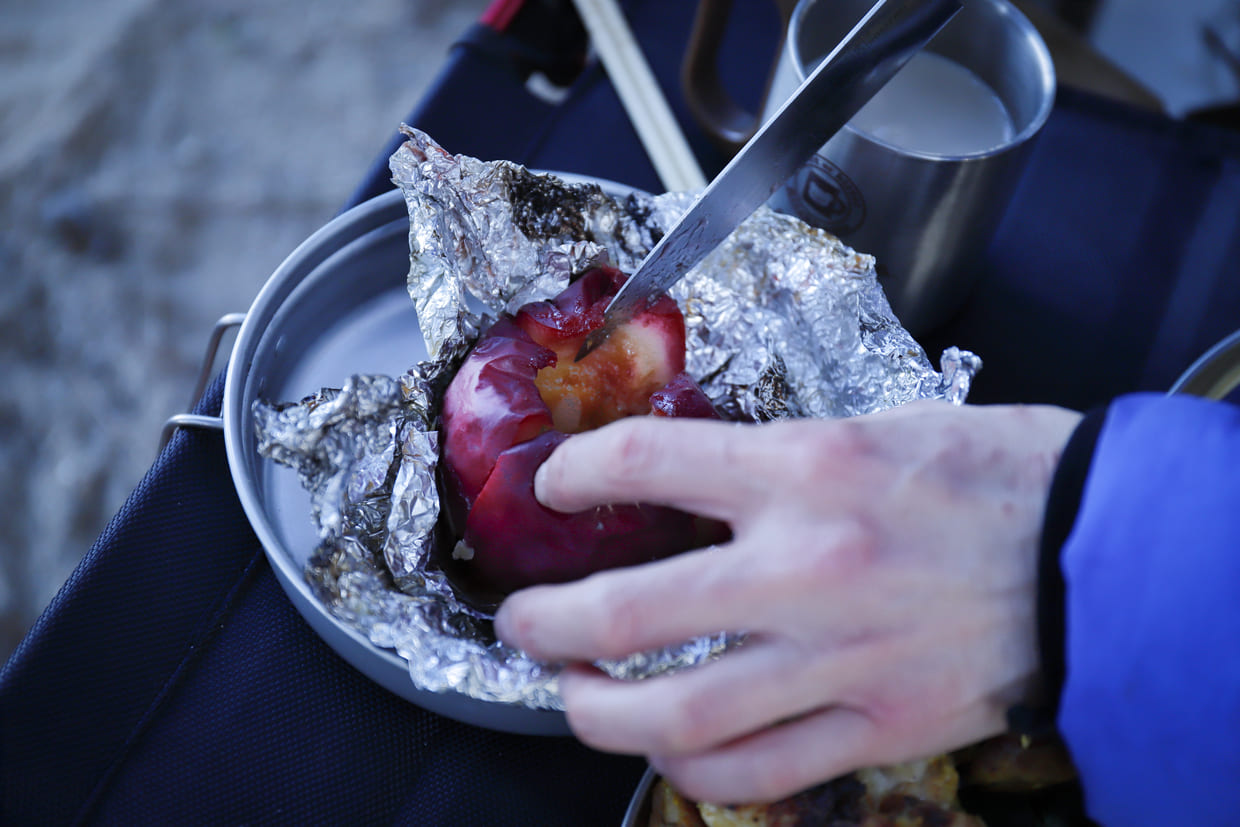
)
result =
(783, 321)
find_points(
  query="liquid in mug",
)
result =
(936, 106)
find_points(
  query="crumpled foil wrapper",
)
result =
(783, 321)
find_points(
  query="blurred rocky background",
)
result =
(157, 161)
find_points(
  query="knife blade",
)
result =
(890, 33)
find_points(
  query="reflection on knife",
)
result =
(891, 32)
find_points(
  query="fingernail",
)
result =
(540, 483)
(502, 624)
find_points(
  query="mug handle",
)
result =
(727, 123)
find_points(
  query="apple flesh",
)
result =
(518, 395)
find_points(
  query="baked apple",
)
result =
(518, 395)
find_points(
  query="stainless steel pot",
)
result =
(1216, 373)
(337, 306)
(638, 812)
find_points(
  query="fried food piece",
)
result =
(913, 794)
(669, 808)
(1009, 763)
(934, 779)
(840, 802)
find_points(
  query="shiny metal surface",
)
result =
(866, 57)
(927, 218)
(336, 306)
(638, 812)
(1216, 373)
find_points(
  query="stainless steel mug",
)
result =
(926, 212)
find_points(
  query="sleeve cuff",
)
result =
(1063, 501)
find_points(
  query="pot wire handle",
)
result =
(186, 420)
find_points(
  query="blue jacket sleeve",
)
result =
(1150, 704)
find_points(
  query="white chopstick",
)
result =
(629, 72)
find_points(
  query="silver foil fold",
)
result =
(783, 321)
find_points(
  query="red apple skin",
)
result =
(490, 406)
(519, 542)
(682, 396)
(520, 393)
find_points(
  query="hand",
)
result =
(883, 566)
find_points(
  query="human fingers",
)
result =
(775, 762)
(701, 466)
(775, 576)
(616, 613)
(765, 681)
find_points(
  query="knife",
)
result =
(891, 32)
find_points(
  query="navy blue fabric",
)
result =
(99, 664)
(1117, 265)
(171, 682)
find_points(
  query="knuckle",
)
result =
(584, 721)
(690, 723)
(824, 451)
(844, 555)
(623, 614)
(846, 440)
(690, 781)
(957, 443)
(777, 778)
(857, 550)
(637, 452)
